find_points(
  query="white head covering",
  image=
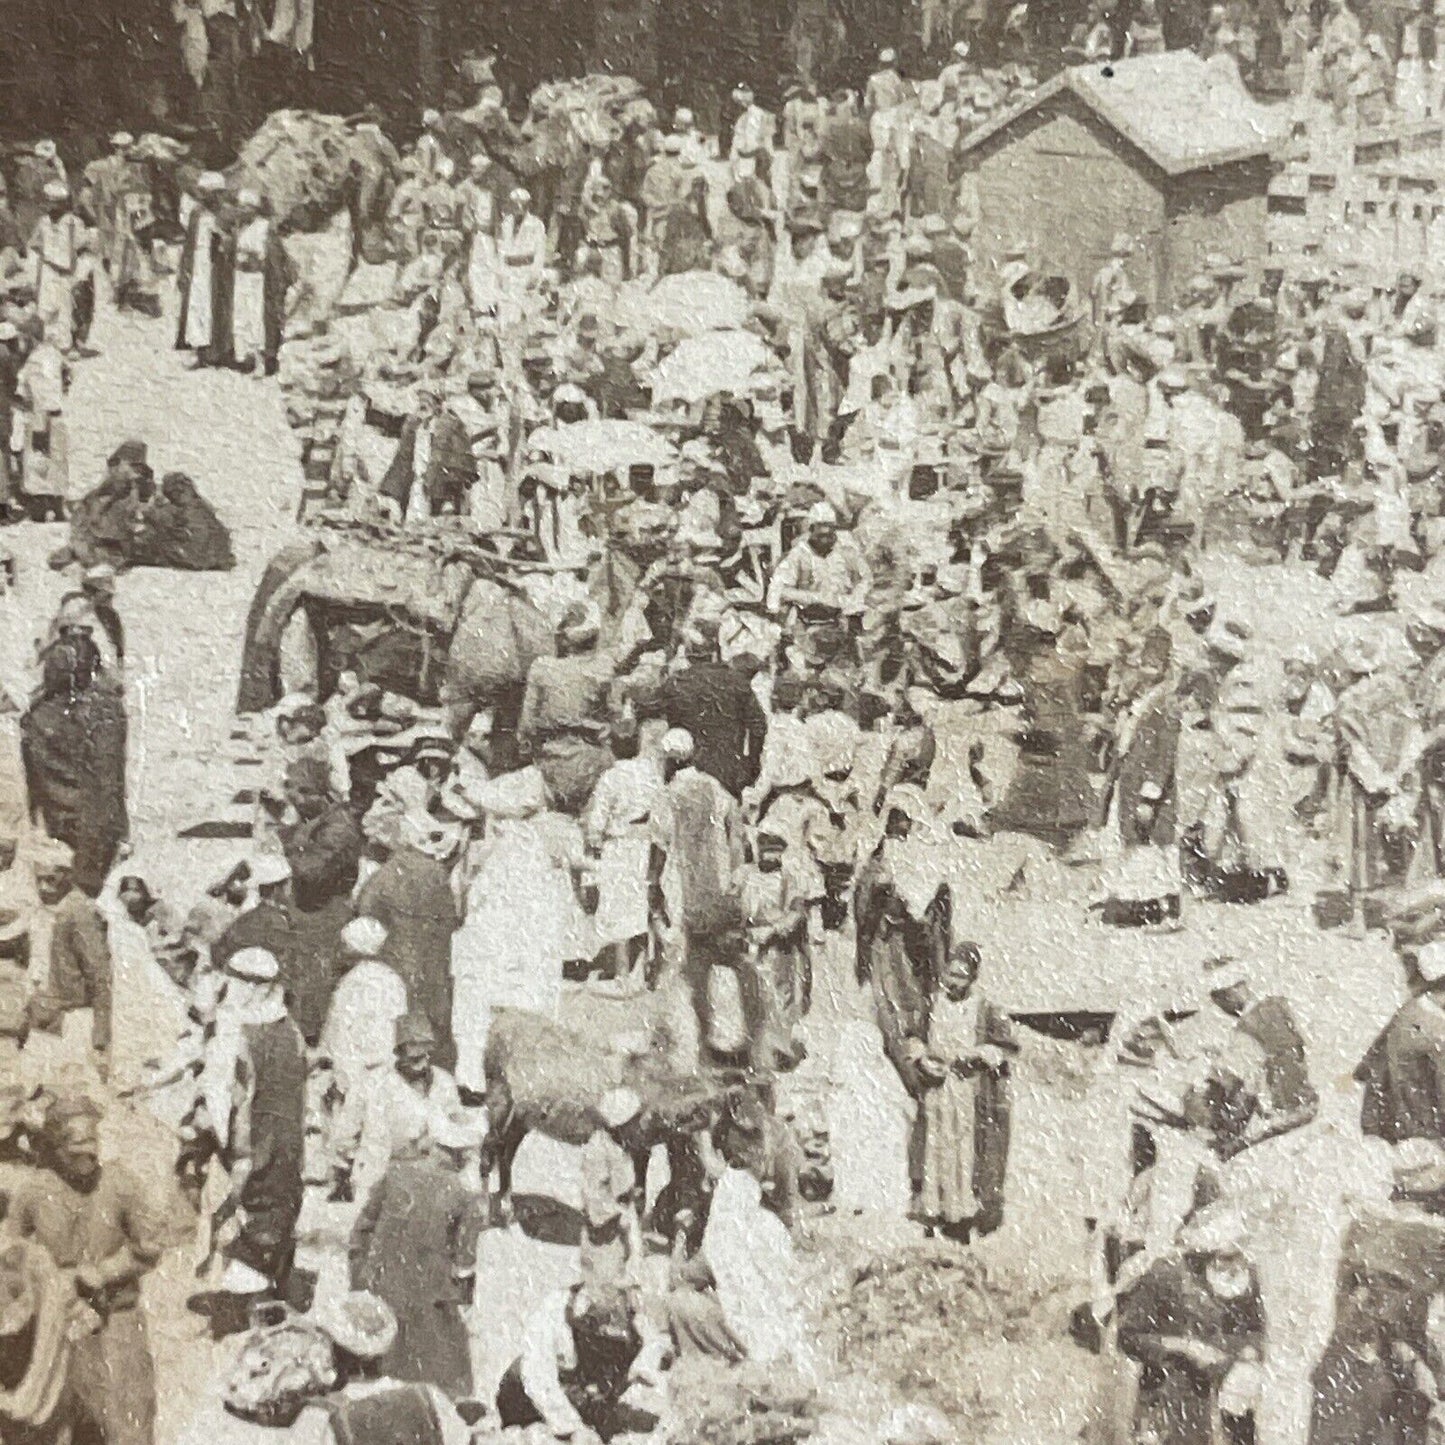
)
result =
(619, 1106)
(269, 868)
(365, 937)
(360, 1323)
(210, 181)
(677, 745)
(51, 855)
(56, 191)
(1430, 960)
(257, 965)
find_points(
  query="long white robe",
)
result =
(360, 1030)
(198, 298)
(522, 923)
(248, 316)
(618, 824)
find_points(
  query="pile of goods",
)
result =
(596, 108)
(890, 1312)
(299, 162)
(739, 1405)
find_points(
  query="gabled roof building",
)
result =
(1168, 149)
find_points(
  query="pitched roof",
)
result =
(1184, 113)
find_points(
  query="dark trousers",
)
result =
(606, 1419)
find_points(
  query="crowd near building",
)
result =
(740, 561)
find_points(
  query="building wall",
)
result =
(1216, 211)
(1064, 185)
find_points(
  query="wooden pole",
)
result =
(429, 50)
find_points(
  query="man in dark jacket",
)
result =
(715, 702)
(1403, 1073)
(263, 1141)
(435, 453)
(270, 924)
(414, 1245)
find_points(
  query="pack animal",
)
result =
(550, 1079)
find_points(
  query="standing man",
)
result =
(703, 832)
(609, 227)
(886, 88)
(1113, 291)
(260, 280)
(847, 147)
(59, 251)
(202, 328)
(323, 845)
(411, 895)
(106, 181)
(521, 255)
(1425, 632)
(1378, 740)
(257, 1067)
(76, 999)
(715, 703)
(397, 1108)
(1340, 394)
(433, 471)
(414, 1245)
(33, 173)
(98, 1223)
(754, 129)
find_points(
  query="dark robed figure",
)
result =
(73, 740)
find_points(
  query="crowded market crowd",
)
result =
(718, 550)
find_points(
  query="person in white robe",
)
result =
(359, 1035)
(197, 320)
(619, 831)
(522, 922)
(749, 1253)
(59, 250)
(248, 316)
(397, 1107)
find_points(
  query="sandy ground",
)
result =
(184, 633)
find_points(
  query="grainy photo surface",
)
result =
(722, 722)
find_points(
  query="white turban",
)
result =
(365, 937)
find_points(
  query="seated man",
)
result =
(1194, 1323)
(581, 1352)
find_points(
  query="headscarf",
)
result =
(750, 1253)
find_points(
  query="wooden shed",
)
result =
(1168, 149)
